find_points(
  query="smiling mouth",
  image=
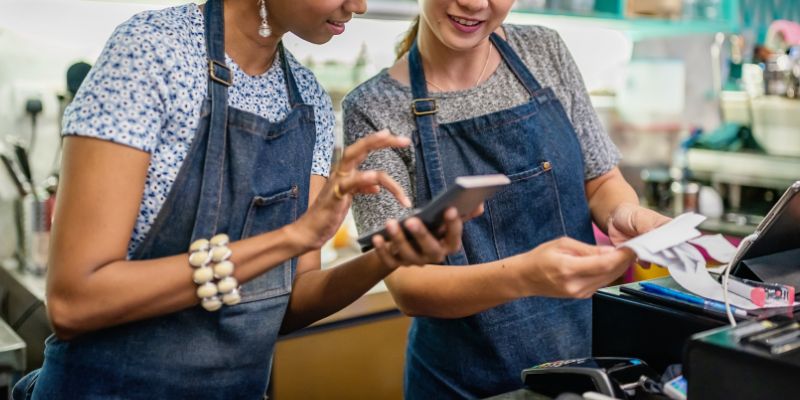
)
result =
(464, 21)
(336, 23)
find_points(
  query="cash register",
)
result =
(634, 326)
(758, 358)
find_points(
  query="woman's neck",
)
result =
(251, 52)
(449, 70)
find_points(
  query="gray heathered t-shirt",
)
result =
(384, 103)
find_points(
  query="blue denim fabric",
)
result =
(243, 176)
(536, 146)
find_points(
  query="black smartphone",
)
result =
(466, 194)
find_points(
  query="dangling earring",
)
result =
(263, 30)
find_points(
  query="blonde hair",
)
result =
(408, 40)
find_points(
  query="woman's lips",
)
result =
(465, 25)
(337, 28)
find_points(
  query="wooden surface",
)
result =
(357, 353)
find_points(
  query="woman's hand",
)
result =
(425, 248)
(326, 213)
(629, 220)
(568, 268)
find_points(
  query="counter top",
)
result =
(34, 284)
(12, 349)
(727, 228)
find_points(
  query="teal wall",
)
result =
(756, 15)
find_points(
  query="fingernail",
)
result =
(391, 226)
(412, 225)
(406, 202)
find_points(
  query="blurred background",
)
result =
(701, 96)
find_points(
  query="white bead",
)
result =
(199, 258)
(203, 275)
(232, 298)
(199, 245)
(219, 240)
(225, 285)
(211, 303)
(223, 269)
(207, 289)
(220, 253)
(262, 13)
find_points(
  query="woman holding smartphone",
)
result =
(197, 158)
(480, 97)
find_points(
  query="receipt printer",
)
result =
(754, 360)
(612, 376)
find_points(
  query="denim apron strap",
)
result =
(220, 75)
(295, 99)
(515, 64)
(424, 109)
(430, 179)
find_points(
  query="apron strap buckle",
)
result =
(426, 106)
(219, 72)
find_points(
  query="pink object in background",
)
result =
(790, 31)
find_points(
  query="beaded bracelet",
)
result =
(214, 272)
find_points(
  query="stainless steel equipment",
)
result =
(750, 183)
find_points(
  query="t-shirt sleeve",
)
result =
(600, 155)
(122, 99)
(324, 120)
(372, 210)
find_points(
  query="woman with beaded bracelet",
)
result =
(481, 97)
(198, 140)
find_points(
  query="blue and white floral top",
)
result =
(147, 87)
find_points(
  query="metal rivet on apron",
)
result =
(546, 165)
(542, 98)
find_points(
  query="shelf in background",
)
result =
(636, 28)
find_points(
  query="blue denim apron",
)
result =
(243, 176)
(536, 146)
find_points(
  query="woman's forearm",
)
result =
(455, 291)
(124, 291)
(607, 192)
(318, 293)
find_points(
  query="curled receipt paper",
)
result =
(672, 245)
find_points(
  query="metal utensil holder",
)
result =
(32, 222)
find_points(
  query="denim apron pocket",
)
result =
(268, 213)
(531, 192)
